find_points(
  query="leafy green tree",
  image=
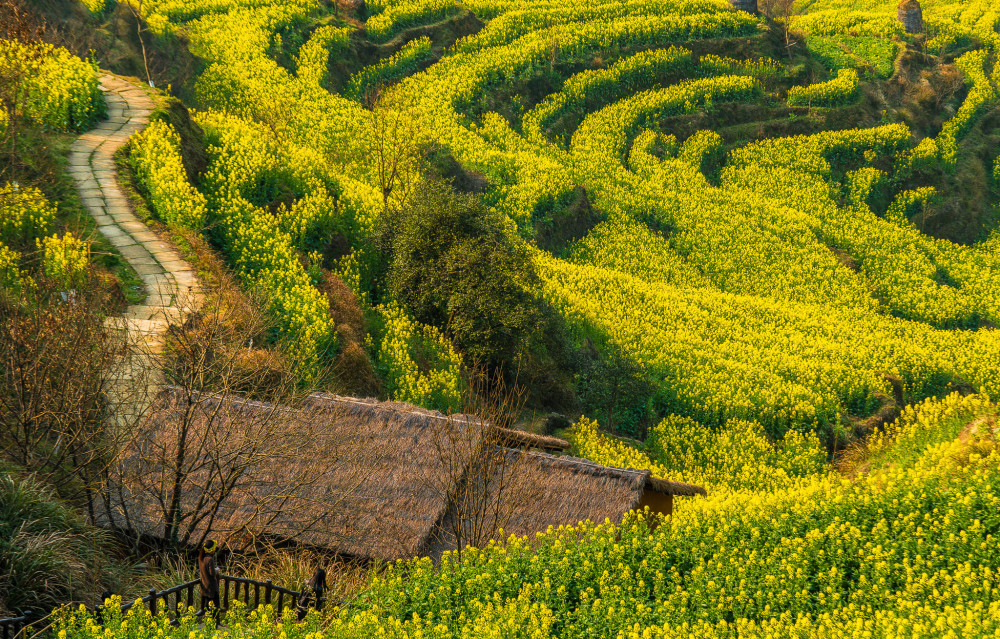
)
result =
(452, 264)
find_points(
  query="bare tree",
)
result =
(393, 140)
(481, 480)
(135, 8)
(234, 444)
(784, 12)
(64, 396)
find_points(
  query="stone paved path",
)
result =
(169, 280)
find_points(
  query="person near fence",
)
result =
(208, 570)
(313, 589)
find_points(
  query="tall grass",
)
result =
(48, 553)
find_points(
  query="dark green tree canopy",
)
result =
(452, 265)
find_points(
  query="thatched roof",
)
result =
(522, 439)
(355, 477)
(370, 479)
(564, 490)
(668, 487)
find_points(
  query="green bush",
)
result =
(454, 266)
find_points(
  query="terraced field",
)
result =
(760, 245)
(784, 225)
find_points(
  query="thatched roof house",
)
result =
(375, 480)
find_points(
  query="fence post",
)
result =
(267, 592)
(152, 601)
(28, 616)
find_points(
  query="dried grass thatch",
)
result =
(564, 491)
(367, 479)
(521, 439)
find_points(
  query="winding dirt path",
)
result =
(169, 280)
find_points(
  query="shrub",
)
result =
(57, 89)
(159, 168)
(454, 266)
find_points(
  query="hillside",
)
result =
(754, 252)
(802, 221)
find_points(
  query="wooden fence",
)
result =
(231, 589)
(9, 628)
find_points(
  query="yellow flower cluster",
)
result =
(982, 94)
(312, 63)
(59, 90)
(518, 19)
(913, 275)
(95, 6)
(65, 259)
(25, 215)
(10, 273)
(261, 245)
(767, 232)
(700, 149)
(738, 456)
(711, 64)
(417, 363)
(156, 158)
(907, 203)
(397, 15)
(836, 92)
(589, 89)
(603, 135)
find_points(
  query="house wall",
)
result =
(657, 502)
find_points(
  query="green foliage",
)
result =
(852, 52)
(454, 265)
(615, 390)
(877, 53)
